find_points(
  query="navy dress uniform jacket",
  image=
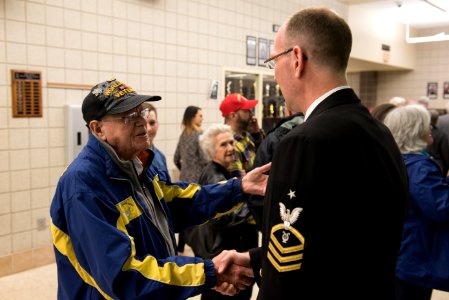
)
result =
(334, 208)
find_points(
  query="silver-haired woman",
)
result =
(228, 232)
(218, 144)
(423, 262)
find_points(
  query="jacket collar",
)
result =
(340, 97)
(411, 158)
(114, 166)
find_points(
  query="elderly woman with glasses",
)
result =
(227, 232)
(423, 262)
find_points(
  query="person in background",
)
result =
(269, 144)
(443, 121)
(439, 149)
(188, 157)
(113, 221)
(265, 153)
(337, 192)
(423, 263)
(424, 101)
(381, 110)
(237, 113)
(230, 231)
(398, 101)
(159, 161)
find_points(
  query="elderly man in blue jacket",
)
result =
(114, 219)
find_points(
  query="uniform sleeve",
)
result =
(255, 255)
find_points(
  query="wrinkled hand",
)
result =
(255, 182)
(226, 288)
(233, 271)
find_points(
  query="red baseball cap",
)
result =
(235, 102)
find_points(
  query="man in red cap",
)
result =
(236, 110)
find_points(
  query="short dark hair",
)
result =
(323, 36)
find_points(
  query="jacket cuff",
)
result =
(209, 270)
(255, 255)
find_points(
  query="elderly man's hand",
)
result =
(226, 288)
(255, 182)
(233, 272)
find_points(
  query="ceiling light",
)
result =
(440, 4)
(425, 39)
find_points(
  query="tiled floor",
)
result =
(40, 284)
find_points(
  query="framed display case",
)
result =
(258, 85)
(273, 104)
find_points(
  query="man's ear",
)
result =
(299, 61)
(96, 128)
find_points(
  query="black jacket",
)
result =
(265, 153)
(341, 178)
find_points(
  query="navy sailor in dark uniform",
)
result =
(337, 193)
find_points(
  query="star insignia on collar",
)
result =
(291, 194)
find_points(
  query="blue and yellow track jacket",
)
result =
(108, 246)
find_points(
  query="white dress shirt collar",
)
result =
(321, 98)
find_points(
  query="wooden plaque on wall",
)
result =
(26, 94)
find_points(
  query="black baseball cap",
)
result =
(111, 97)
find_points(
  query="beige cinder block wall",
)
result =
(172, 48)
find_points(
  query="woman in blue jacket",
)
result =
(423, 262)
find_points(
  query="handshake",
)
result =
(233, 272)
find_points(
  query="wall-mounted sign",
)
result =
(432, 90)
(26, 94)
